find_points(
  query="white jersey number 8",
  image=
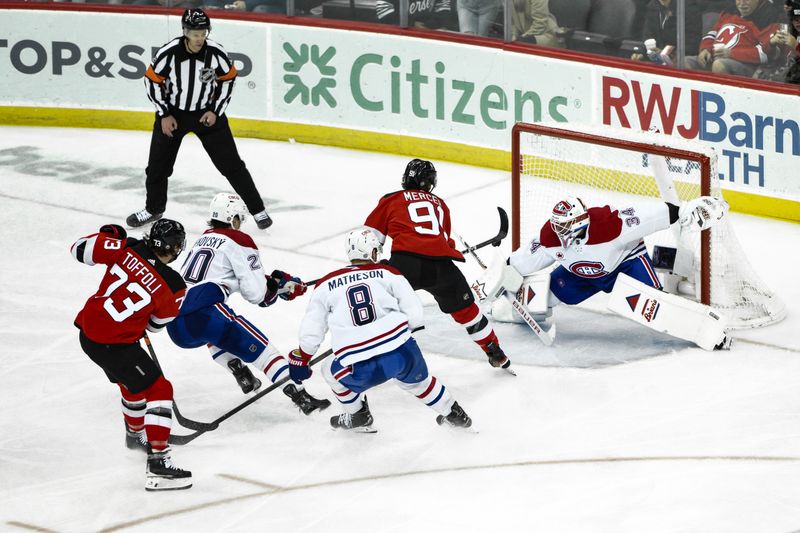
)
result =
(424, 213)
(129, 306)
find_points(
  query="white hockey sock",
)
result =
(432, 393)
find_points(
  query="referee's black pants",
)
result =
(219, 145)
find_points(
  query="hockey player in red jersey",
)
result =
(418, 222)
(138, 291)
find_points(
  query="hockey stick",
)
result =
(182, 420)
(543, 335)
(180, 440)
(494, 241)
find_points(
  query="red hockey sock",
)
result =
(476, 324)
(158, 417)
(133, 406)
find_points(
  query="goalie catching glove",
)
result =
(285, 285)
(298, 365)
(702, 212)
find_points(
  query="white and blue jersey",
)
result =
(370, 310)
(614, 243)
(221, 262)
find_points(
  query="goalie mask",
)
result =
(361, 243)
(569, 220)
(419, 174)
(225, 206)
(166, 237)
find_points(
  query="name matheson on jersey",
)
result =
(744, 136)
(147, 279)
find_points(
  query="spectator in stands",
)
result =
(788, 68)
(738, 42)
(475, 17)
(258, 6)
(533, 23)
(661, 24)
(431, 14)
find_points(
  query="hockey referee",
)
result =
(190, 84)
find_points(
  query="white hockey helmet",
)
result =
(568, 219)
(361, 243)
(225, 206)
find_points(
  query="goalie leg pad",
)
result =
(667, 313)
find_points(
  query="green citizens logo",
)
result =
(322, 82)
(414, 88)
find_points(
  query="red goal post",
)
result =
(610, 166)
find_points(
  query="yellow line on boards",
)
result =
(344, 138)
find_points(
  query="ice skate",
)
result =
(244, 376)
(456, 418)
(725, 343)
(263, 221)
(163, 475)
(360, 421)
(497, 358)
(136, 440)
(302, 399)
(140, 218)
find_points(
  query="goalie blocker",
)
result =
(668, 313)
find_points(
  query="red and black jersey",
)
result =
(418, 223)
(747, 39)
(137, 292)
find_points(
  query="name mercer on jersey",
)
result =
(351, 278)
(414, 196)
(142, 271)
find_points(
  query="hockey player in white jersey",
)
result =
(603, 249)
(225, 260)
(370, 309)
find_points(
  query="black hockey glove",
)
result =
(114, 231)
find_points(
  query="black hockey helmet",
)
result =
(195, 19)
(419, 174)
(166, 237)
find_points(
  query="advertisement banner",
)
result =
(423, 88)
(399, 86)
(756, 135)
(98, 60)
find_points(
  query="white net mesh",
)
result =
(553, 166)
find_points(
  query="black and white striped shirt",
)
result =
(178, 79)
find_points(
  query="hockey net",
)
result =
(612, 166)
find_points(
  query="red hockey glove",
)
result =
(298, 365)
(289, 287)
(114, 231)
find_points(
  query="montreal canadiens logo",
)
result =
(587, 269)
(562, 208)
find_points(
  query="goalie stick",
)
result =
(180, 440)
(543, 335)
(494, 241)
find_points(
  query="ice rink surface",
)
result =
(613, 429)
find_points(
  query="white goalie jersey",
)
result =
(370, 309)
(613, 237)
(229, 258)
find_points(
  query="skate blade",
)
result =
(362, 429)
(510, 370)
(153, 484)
